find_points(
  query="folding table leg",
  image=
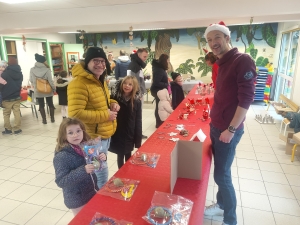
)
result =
(293, 152)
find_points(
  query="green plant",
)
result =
(203, 67)
(186, 67)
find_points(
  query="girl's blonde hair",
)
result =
(62, 132)
(134, 88)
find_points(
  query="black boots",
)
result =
(52, 114)
(43, 114)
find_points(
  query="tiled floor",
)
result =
(267, 183)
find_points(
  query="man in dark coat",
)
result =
(11, 95)
(138, 62)
(122, 65)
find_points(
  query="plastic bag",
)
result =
(169, 209)
(119, 188)
(91, 150)
(145, 159)
(105, 220)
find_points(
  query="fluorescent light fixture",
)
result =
(19, 1)
(69, 32)
(149, 29)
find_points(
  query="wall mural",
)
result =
(185, 46)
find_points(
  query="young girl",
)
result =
(129, 130)
(177, 91)
(210, 60)
(164, 105)
(62, 83)
(72, 174)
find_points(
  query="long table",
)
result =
(157, 179)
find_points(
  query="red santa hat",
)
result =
(205, 50)
(217, 26)
(134, 51)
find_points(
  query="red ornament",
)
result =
(205, 114)
(207, 101)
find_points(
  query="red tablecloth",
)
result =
(23, 95)
(157, 179)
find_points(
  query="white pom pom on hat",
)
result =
(217, 26)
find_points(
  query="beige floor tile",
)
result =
(278, 151)
(210, 193)
(244, 147)
(65, 219)
(250, 174)
(252, 186)
(258, 137)
(263, 143)
(272, 177)
(263, 149)
(39, 218)
(40, 155)
(234, 171)
(25, 154)
(43, 197)
(58, 203)
(269, 166)
(10, 160)
(7, 187)
(39, 146)
(49, 170)
(11, 151)
(22, 213)
(41, 180)
(250, 200)
(260, 217)
(12, 143)
(266, 157)
(279, 190)
(293, 179)
(7, 205)
(24, 163)
(25, 144)
(282, 219)
(23, 192)
(296, 190)
(9, 172)
(285, 206)
(247, 163)
(3, 157)
(286, 159)
(245, 155)
(40, 166)
(291, 169)
(24, 176)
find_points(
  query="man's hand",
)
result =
(114, 107)
(112, 115)
(226, 136)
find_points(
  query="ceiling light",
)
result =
(149, 29)
(19, 1)
(69, 32)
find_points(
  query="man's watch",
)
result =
(231, 129)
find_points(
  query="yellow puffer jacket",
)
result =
(88, 101)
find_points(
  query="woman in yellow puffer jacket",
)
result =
(89, 101)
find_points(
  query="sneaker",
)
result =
(6, 132)
(144, 136)
(213, 210)
(18, 132)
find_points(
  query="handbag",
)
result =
(43, 86)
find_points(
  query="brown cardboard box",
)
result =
(290, 144)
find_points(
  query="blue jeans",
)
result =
(102, 175)
(223, 157)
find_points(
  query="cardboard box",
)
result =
(186, 159)
(290, 144)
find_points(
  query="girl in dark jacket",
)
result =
(129, 129)
(72, 174)
(177, 91)
(62, 91)
(160, 81)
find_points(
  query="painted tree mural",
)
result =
(198, 33)
(203, 67)
(186, 67)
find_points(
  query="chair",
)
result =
(296, 139)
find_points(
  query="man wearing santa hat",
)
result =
(233, 96)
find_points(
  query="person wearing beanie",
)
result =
(42, 70)
(176, 88)
(138, 62)
(122, 65)
(233, 95)
(89, 100)
(210, 60)
(10, 92)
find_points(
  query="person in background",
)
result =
(210, 60)
(41, 70)
(3, 65)
(164, 105)
(138, 62)
(160, 81)
(233, 96)
(10, 92)
(62, 83)
(89, 101)
(111, 61)
(176, 88)
(122, 65)
(129, 130)
(76, 178)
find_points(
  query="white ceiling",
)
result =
(52, 16)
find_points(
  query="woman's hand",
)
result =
(89, 168)
(112, 115)
(102, 157)
(114, 107)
